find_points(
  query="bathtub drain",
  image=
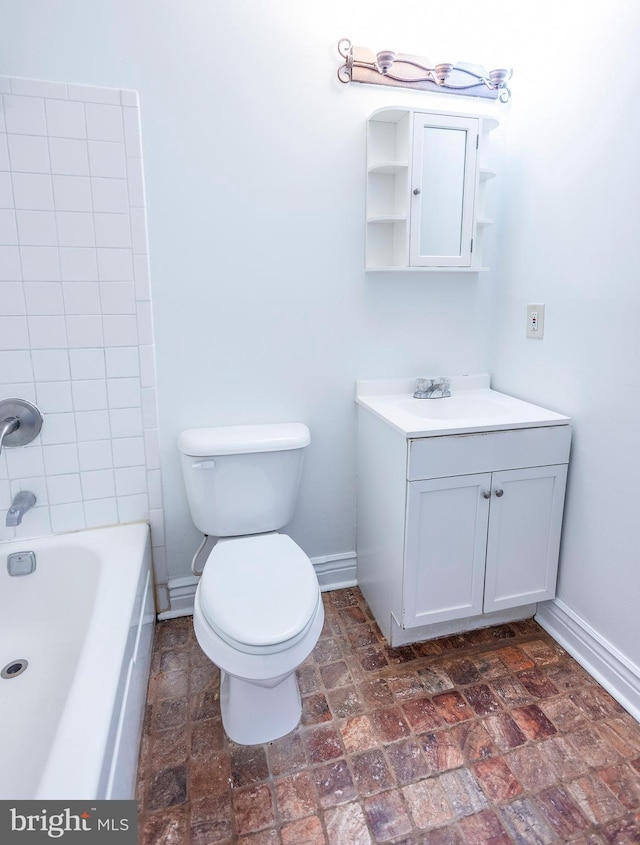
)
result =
(14, 668)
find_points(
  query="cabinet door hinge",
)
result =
(471, 250)
(477, 141)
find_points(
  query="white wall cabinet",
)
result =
(426, 177)
(454, 531)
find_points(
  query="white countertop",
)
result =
(473, 406)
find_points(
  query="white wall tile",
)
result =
(110, 195)
(95, 454)
(25, 462)
(100, 512)
(16, 366)
(115, 265)
(24, 115)
(72, 193)
(136, 182)
(13, 333)
(133, 508)
(92, 425)
(37, 228)
(8, 228)
(28, 154)
(47, 332)
(87, 363)
(33, 191)
(156, 519)
(126, 422)
(67, 517)
(50, 365)
(98, 484)
(84, 330)
(54, 397)
(81, 297)
(60, 459)
(10, 268)
(40, 263)
(6, 192)
(68, 156)
(12, 299)
(64, 488)
(43, 298)
(4, 153)
(59, 428)
(122, 361)
(128, 452)
(71, 218)
(37, 88)
(107, 158)
(123, 392)
(75, 228)
(78, 264)
(93, 94)
(113, 230)
(120, 330)
(89, 395)
(65, 119)
(104, 123)
(117, 298)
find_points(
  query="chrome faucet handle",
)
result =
(422, 388)
(445, 386)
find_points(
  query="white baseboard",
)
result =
(618, 675)
(334, 572)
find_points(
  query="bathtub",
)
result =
(71, 720)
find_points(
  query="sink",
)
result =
(464, 406)
(473, 407)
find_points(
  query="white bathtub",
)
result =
(70, 723)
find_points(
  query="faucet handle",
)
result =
(423, 383)
(445, 385)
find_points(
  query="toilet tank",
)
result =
(242, 479)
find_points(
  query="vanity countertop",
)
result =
(472, 407)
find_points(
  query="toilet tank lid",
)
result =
(241, 439)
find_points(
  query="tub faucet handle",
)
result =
(20, 422)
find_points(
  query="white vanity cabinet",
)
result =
(426, 180)
(458, 531)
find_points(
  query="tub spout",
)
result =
(23, 501)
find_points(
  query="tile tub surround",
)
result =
(495, 737)
(75, 315)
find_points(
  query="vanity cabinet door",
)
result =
(524, 536)
(445, 546)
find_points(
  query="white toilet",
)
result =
(258, 609)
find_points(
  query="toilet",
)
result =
(258, 609)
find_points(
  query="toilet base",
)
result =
(253, 714)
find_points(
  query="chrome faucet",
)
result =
(428, 388)
(23, 501)
(8, 426)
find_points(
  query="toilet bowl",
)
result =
(258, 637)
(258, 609)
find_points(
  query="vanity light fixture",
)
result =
(405, 71)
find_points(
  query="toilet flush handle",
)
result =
(209, 464)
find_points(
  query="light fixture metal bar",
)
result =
(362, 65)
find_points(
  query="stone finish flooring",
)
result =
(493, 737)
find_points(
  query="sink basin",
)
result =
(462, 407)
(472, 407)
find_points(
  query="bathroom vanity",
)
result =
(460, 504)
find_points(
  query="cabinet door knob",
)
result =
(486, 494)
(416, 191)
(499, 493)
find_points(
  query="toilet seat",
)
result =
(260, 594)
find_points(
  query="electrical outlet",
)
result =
(535, 321)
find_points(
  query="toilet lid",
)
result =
(258, 590)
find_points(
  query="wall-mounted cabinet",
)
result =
(426, 177)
